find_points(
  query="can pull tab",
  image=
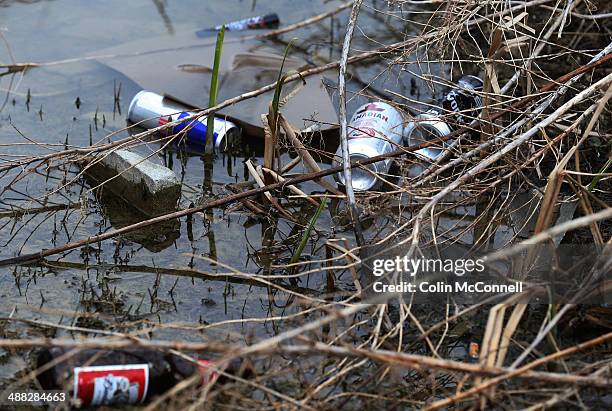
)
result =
(207, 372)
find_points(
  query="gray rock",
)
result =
(151, 188)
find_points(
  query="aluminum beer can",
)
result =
(150, 110)
(268, 21)
(459, 107)
(258, 22)
(426, 127)
(375, 129)
(464, 102)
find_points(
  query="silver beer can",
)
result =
(460, 106)
(150, 110)
(426, 127)
(375, 129)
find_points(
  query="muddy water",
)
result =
(142, 279)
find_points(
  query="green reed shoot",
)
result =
(298, 252)
(214, 88)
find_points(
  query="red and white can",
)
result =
(375, 129)
(111, 384)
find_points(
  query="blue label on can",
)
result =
(196, 130)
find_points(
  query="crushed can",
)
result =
(460, 106)
(375, 129)
(151, 110)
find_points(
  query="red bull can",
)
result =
(150, 110)
(375, 129)
(459, 107)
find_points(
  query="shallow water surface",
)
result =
(158, 275)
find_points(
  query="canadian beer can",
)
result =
(375, 129)
(150, 110)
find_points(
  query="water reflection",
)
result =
(154, 238)
(160, 5)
